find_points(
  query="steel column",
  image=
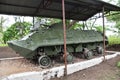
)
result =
(103, 32)
(64, 28)
(33, 21)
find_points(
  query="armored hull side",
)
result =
(23, 51)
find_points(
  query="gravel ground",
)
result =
(104, 71)
(8, 67)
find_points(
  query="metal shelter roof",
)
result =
(74, 9)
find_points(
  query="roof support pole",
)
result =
(64, 29)
(103, 31)
(33, 21)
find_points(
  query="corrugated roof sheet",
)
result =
(75, 9)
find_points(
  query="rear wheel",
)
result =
(87, 53)
(44, 61)
(99, 50)
(69, 57)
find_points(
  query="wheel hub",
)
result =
(44, 61)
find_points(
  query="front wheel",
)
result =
(44, 61)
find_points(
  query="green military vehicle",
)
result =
(46, 42)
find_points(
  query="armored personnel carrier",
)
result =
(46, 42)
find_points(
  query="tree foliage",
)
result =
(115, 18)
(2, 21)
(47, 21)
(77, 25)
(72, 24)
(16, 31)
(99, 28)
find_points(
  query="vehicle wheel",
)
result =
(87, 54)
(44, 61)
(69, 57)
(99, 50)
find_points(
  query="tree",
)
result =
(72, 24)
(16, 31)
(2, 21)
(47, 21)
(115, 18)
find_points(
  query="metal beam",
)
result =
(44, 4)
(37, 9)
(55, 10)
(7, 4)
(80, 4)
(64, 28)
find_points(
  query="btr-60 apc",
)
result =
(47, 42)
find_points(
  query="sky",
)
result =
(112, 1)
(11, 19)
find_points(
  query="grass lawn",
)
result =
(114, 40)
(3, 45)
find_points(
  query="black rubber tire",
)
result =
(99, 50)
(61, 56)
(44, 61)
(88, 55)
(69, 57)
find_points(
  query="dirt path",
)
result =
(114, 47)
(9, 67)
(6, 52)
(104, 71)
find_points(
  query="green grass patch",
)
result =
(3, 45)
(118, 64)
(114, 40)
